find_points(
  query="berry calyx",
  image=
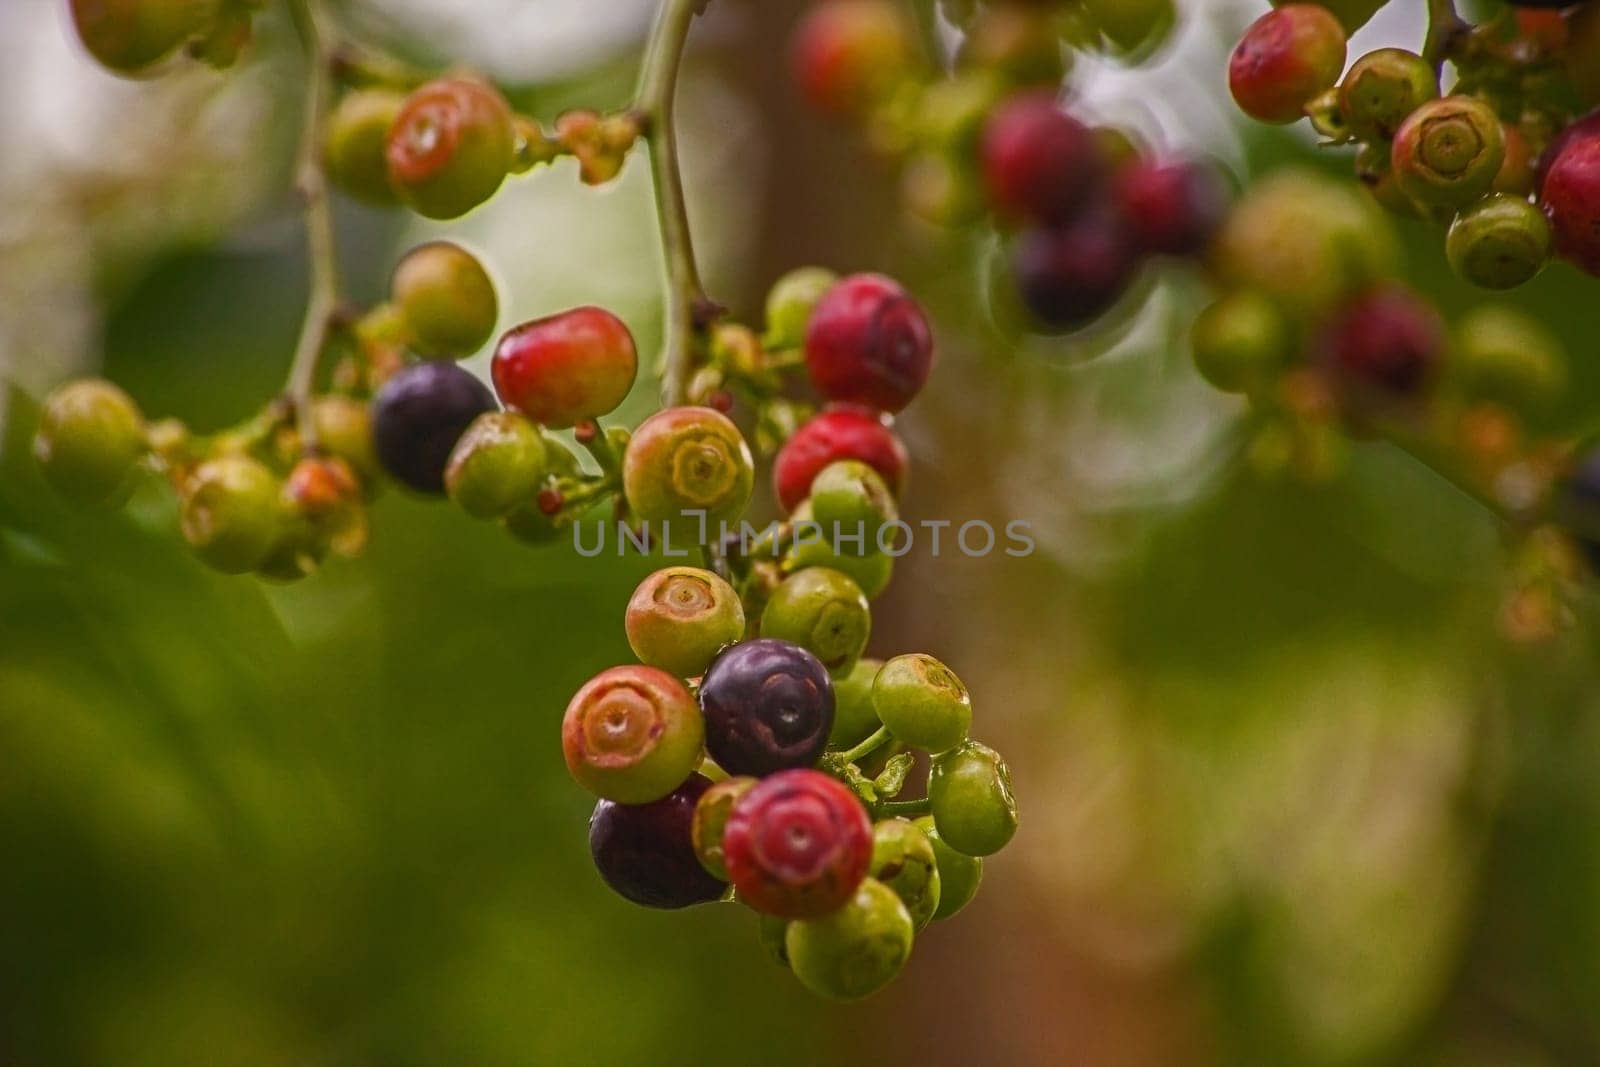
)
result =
(868, 342)
(1069, 277)
(127, 36)
(1500, 242)
(1039, 163)
(645, 852)
(1570, 196)
(679, 618)
(790, 303)
(711, 819)
(1447, 152)
(450, 147)
(959, 874)
(1285, 59)
(497, 466)
(832, 435)
(824, 612)
(768, 706)
(353, 153)
(447, 298)
(922, 702)
(89, 442)
(970, 790)
(1381, 89)
(1386, 344)
(903, 859)
(230, 514)
(850, 498)
(1169, 208)
(564, 368)
(856, 950)
(632, 734)
(848, 55)
(689, 470)
(797, 845)
(419, 415)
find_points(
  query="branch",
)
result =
(1446, 30)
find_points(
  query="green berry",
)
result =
(497, 466)
(130, 35)
(1500, 242)
(959, 874)
(1381, 88)
(790, 303)
(532, 526)
(344, 429)
(851, 501)
(922, 702)
(1241, 342)
(231, 514)
(447, 298)
(970, 791)
(773, 931)
(903, 860)
(90, 440)
(632, 735)
(871, 572)
(353, 153)
(679, 618)
(687, 470)
(854, 719)
(856, 950)
(1508, 357)
(1447, 152)
(711, 813)
(824, 612)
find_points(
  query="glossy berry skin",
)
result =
(632, 734)
(450, 147)
(230, 513)
(560, 369)
(645, 853)
(1500, 242)
(854, 719)
(959, 874)
(447, 298)
(1284, 59)
(903, 859)
(1382, 88)
(1169, 208)
(1448, 152)
(686, 471)
(824, 612)
(90, 439)
(498, 465)
(1386, 343)
(1040, 165)
(357, 138)
(856, 950)
(849, 54)
(679, 618)
(832, 435)
(922, 702)
(1070, 277)
(849, 497)
(797, 845)
(1241, 342)
(1570, 196)
(868, 343)
(970, 791)
(127, 36)
(711, 819)
(418, 416)
(768, 706)
(790, 302)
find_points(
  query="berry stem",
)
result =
(687, 303)
(1446, 31)
(905, 809)
(312, 185)
(879, 738)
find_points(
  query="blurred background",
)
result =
(1288, 798)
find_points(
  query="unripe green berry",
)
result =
(90, 439)
(1241, 341)
(849, 497)
(130, 35)
(688, 469)
(856, 950)
(1448, 151)
(632, 735)
(447, 298)
(1508, 357)
(344, 429)
(790, 302)
(854, 719)
(532, 526)
(231, 514)
(711, 813)
(871, 572)
(959, 874)
(353, 152)
(824, 612)
(773, 931)
(1381, 88)
(497, 466)
(1500, 242)
(922, 702)
(680, 617)
(970, 792)
(903, 860)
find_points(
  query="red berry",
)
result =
(1588, 126)
(797, 845)
(1067, 278)
(868, 343)
(1285, 59)
(1570, 195)
(1169, 208)
(1387, 341)
(1039, 163)
(559, 370)
(848, 54)
(835, 434)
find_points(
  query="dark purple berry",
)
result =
(646, 852)
(1170, 208)
(768, 706)
(1069, 277)
(1386, 343)
(419, 415)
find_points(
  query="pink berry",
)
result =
(834, 434)
(1039, 163)
(1387, 342)
(1169, 208)
(868, 343)
(797, 845)
(1284, 59)
(559, 370)
(1570, 196)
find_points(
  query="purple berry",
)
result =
(1069, 277)
(419, 415)
(768, 707)
(646, 852)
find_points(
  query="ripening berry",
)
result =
(90, 440)
(447, 298)
(790, 302)
(1015, 42)
(355, 146)
(419, 415)
(849, 497)
(1570, 196)
(970, 790)
(797, 845)
(849, 55)
(127, 36)
(959, 874)
(645, 852)
(1040, 164)
(835, 434)
(344, 429)
(1500, 242)
(1241, 342)
(450, 147)
(1516, 174)
(903, 860)
(711, 819)
(824, 612)
(1381, 89)
(768, 706)
(230, 513)
(1067, 278)
(679, 618)
(1506, 357)
(1285, 59)
(632, 734)
(564, 368)
(868, 343)
(1170, 208)
(922, 702)
(856, 950)
(689, 470)
(1447, 152)
(1385, 343)
(854, 718)
(497, 466)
